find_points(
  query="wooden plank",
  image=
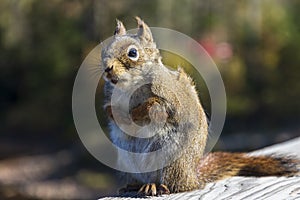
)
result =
(248, 188)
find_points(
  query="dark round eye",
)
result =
(133, 53)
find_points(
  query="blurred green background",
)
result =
(255, 45)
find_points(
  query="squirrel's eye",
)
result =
(133, 54)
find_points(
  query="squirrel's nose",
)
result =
(109, 68)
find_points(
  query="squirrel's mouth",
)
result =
(114, 81)
(110, 76)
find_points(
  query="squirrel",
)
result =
(166, 102)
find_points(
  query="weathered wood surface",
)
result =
(271, 188)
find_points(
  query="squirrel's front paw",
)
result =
(150, 189)
(158, 114)
(151, 111)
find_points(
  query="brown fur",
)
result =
(171, 98)
(220, 165)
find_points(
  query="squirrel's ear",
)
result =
(144, 32)
(120, 29)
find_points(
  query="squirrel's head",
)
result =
(127, 53)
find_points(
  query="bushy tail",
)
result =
(220, 165)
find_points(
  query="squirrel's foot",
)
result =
(150, 189)
(163, 189)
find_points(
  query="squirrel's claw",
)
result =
(150, 189)
(163, 189)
